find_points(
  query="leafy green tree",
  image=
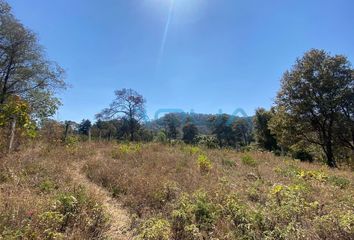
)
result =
(242, 128)
(25, 72)
(161, 137)
(84, 127)
(190, 132)
(15, 114)
(221, 126)
(172, 124)
(129, 106)
(315, 102)
(264, 138)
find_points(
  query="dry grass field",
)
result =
(156, 192)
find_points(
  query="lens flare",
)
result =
(165, 34)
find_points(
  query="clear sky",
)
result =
(203, 55)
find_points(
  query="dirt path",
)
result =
(119, 218)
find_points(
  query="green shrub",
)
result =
(339, 181)
(72, 141)
(124, 149)
(313, 174)
(237, 213)
(166, 193)
(161, 137)
(192, 150)
(228, 162)
(193, 215)
(210, 142)
(288, 171)
(204, 210)
(204, 164)
(52, 222)
(249, 161)
(155, 229)
(47, 186)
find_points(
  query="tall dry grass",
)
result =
(39, 199)
(194, 193)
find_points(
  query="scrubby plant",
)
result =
(204, 164)
(249, 161)
(340, 182)
(194, 215)
(237, 213)
(228, 162)
(166, 193)
(192, 150)
(319, 175)
(47, 186)
(126, 149)
(208, 141)
(155, 229)
(72, 142)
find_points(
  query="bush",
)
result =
(249, 161)
(204, 164)
(339, 181)
(193, 150)
(47, 186)
(228, 162)
(126, 149)
(155, 229)
(193, 215)
(208, 141)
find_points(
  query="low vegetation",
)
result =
(40, 200)
(183, 192)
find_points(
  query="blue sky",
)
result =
(217, 54)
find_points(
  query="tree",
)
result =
(129, 106)
(106, 129)
(264, 138)
(221, 126)
(15, 114)
(24, 70)
(84, 127)
(25, 73)
(317, 97)
(190, 132)
(172, 124)
(242, 128)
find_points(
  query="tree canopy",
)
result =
(129, 106)
(315, 103)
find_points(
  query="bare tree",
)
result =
(128, 105)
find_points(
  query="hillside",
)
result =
(201, 120)
(154, 191)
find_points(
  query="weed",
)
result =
(155, 229)
(47, 186)
(249, 161)
(340, 182)
(204, 164)
(228, 162)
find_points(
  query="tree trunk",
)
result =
(331, 162)
(12, 136)
(89, 135)
(66, 132)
